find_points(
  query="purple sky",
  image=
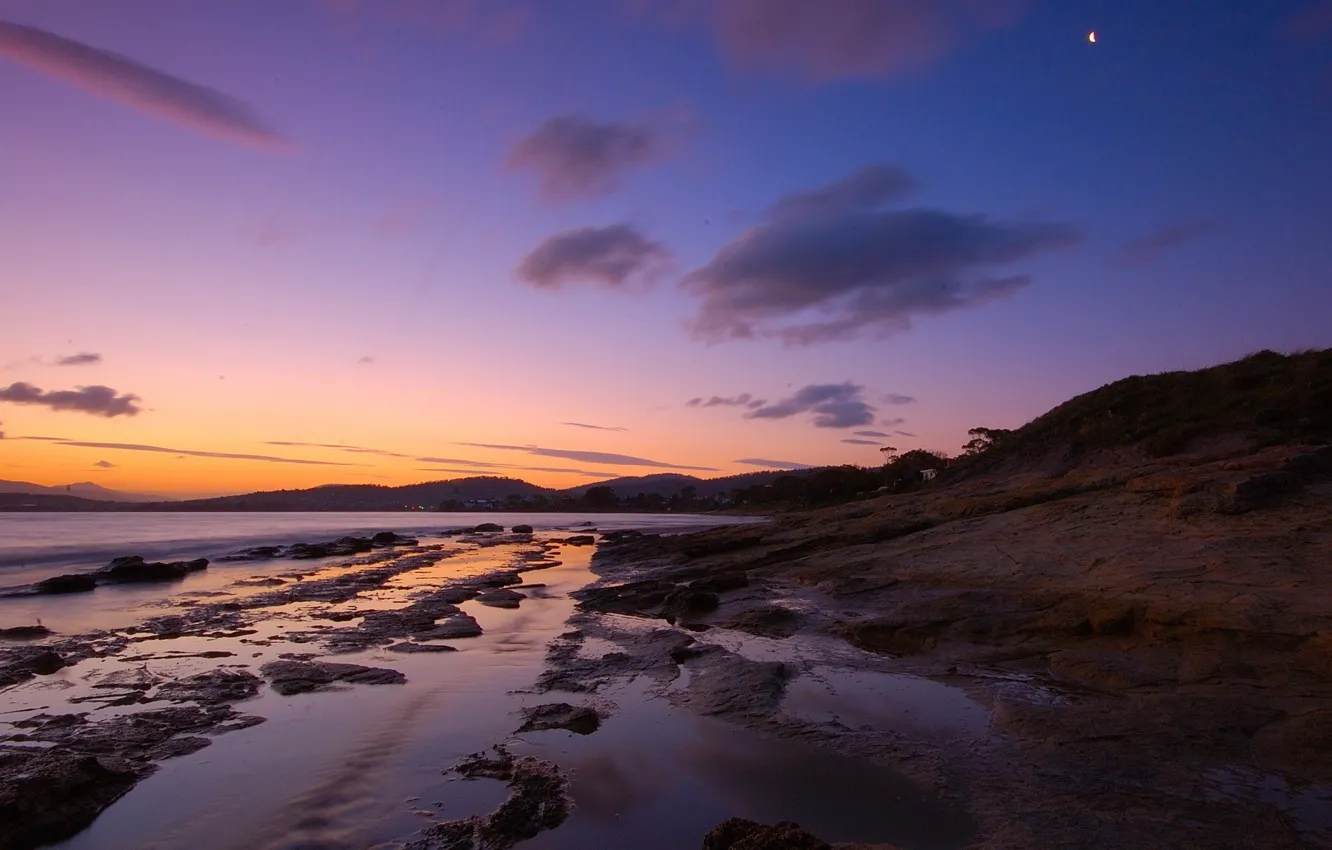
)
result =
(304, 241)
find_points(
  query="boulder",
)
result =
(73, 583)
(297, 677)
(487, 528)
(580, 719)
(580, 540)
(24, 632)
(500, 598)
(522, 529)
(134, 569)
(741, 834)
(392, 538)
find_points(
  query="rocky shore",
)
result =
(1107, 654)
(1151, 642)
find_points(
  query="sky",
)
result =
(280, 243)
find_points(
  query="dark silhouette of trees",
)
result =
(600, 498)
(983, 439)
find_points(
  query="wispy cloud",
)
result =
(613, 256)
(512, 469)
(843, 266)
(365, 361)
(904, 434)
(83, 358)
(879, 434)
(773, 464)
(134, 447)
(104, 464)
(97, 400)
(588, 457)
(837, 39)
(898, 398)
(852, 38)
(1150, 247)
(119, 78)
(595, 427)
(833, 406)
(742, 400)
(861, 442)
(338, 446)
(578, 157)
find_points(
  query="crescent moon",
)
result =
(1091, 37)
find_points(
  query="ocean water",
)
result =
(32, 544)
(355, 766)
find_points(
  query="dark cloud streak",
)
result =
(95, 400)
(773, 464)
(588, 457)
(121, 79)
(134, 447)
(595, 427)
(83, 358)
(833, 406)
(614, 256)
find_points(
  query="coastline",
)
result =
(1078, 660)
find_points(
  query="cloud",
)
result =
(870, 187)
(595, 427)
(904, 434)
(612, 255)
(838, 39)
(578, 157)
(879, 434)
(585, 457)
(898, 398)
(97, 400)
(121, 79)
(773, 464)
(838, 270)
(1148, 248)
(104, 464)
(861, 442)
(742, 400)
(366, 360)
(833, 406)
(483, 472)
(338, 446)
(83, 358)
(132, 447)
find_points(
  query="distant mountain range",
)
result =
(83, 490)
(429, 495)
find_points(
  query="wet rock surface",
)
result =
(1134, 632)
(538, 801)
(289, 677)
(51, 793)
(145, 701)
(133, 568)
(581, 719)
(24, 632)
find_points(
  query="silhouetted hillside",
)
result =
(83, 489)
(363, 497)
(1263, 400)
(670, 483)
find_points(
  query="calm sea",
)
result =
(46, 543)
